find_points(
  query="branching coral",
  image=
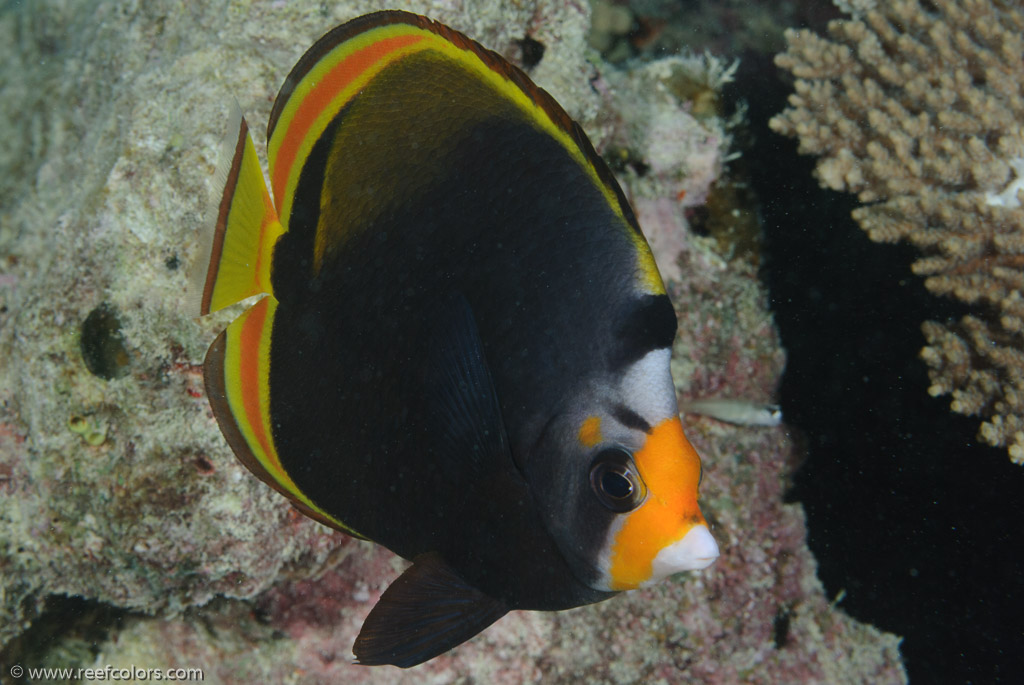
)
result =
(918, 108)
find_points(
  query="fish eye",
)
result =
(616, 481)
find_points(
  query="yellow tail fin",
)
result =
(240, 249)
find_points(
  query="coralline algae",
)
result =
(115, 111)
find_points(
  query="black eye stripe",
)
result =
(630, 419)
(649, 325)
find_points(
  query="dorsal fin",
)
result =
(406, 23)
(332, 75)
(248, 432)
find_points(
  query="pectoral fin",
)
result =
(464, 406)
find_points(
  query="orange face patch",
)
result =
(670, 468)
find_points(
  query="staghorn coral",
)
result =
(917, 107)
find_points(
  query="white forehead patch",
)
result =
(647, 387)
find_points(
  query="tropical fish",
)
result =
(736, 411)
(463, 351)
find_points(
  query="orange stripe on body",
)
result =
(321, 96)
(670, 468)
(247, 385)
(251, 338)
(253, 360)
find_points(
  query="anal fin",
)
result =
(428, 610)
(232, 354)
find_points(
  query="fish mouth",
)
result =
(694, 551)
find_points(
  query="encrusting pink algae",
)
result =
(115, 111)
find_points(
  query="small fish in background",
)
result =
(463, 351)
(735, 411)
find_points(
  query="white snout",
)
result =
(695, 551)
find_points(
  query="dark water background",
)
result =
(920, 524)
